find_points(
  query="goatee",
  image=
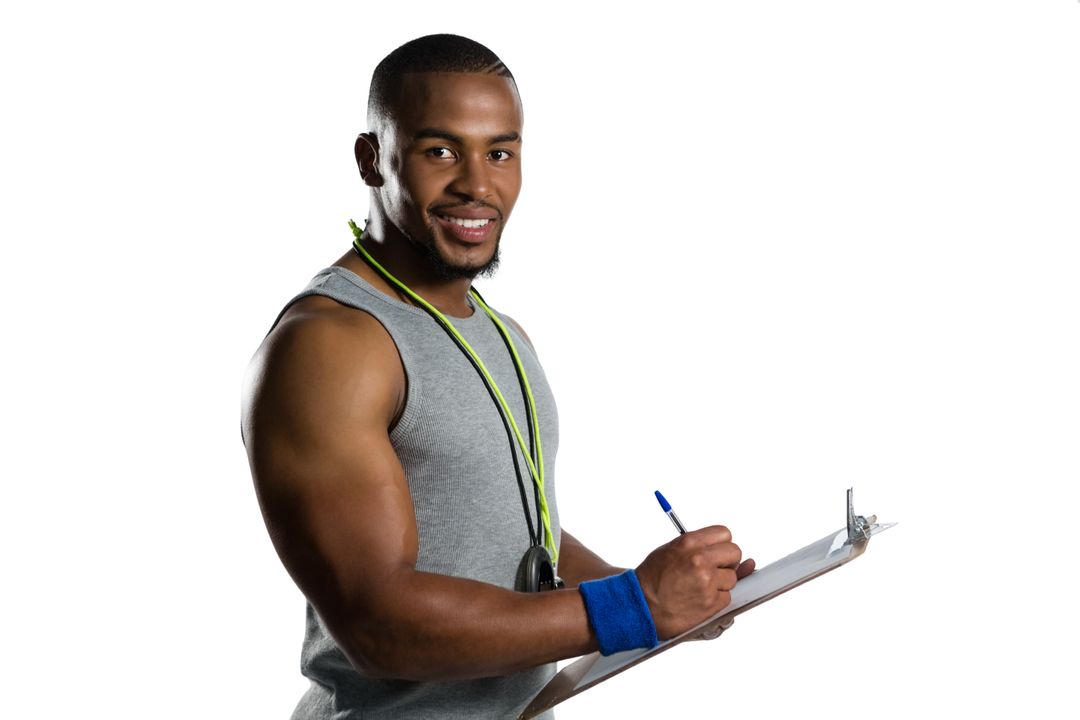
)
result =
(448, 271)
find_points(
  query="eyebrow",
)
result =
(430, 132)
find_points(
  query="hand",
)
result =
(711, 632)
(690, 578)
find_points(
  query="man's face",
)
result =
(451, 167)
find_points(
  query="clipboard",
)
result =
(816, 559)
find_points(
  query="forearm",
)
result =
(431, 627)
(578, 563)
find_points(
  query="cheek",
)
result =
(509, 188)
(399, 199)
(417, 189)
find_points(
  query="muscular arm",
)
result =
(323, 392)
(321, 396)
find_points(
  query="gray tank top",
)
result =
(453, 447)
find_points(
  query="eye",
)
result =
(439, 153)
(500, 155)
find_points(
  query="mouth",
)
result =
(471, 230)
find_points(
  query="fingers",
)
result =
(725, 580)
(714, 547)
(715, 567)
(713, 556)
(704, 540)
(720, 555)
(712, 535)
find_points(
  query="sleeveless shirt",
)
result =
(454, 450)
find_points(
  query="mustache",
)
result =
(480, 204)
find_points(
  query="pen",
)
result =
(670, 513)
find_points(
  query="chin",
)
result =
(452, 268)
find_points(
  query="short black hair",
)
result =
(431, 53)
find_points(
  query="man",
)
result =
(402, 438)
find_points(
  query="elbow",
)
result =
(381, 651)
(383, 664)
(373, 666)
(386, 668)
(371, 652)
(400, 632)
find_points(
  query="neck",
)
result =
(409, 264)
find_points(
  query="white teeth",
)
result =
(466, 222)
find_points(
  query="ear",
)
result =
(367, 159)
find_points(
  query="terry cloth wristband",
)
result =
(618, 613)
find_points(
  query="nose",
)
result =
(473, 179)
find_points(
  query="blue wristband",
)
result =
(618, 613)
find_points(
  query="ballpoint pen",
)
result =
(670, 513)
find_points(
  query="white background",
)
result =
(766, 250)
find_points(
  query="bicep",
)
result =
(332, 491)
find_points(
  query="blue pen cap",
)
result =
(663, 502)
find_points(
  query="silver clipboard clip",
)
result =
(859, 528)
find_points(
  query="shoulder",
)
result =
(323, 358)
(318, 320)
(517, 326)
(330, 340)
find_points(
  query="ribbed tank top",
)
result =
(453, 447)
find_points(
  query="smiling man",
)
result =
(402, 437)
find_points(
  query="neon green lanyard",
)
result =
(535, 464)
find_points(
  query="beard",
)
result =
(451, 271)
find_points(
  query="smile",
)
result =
(471, 231)
(468, 222)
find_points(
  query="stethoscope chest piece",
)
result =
(536, 572)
